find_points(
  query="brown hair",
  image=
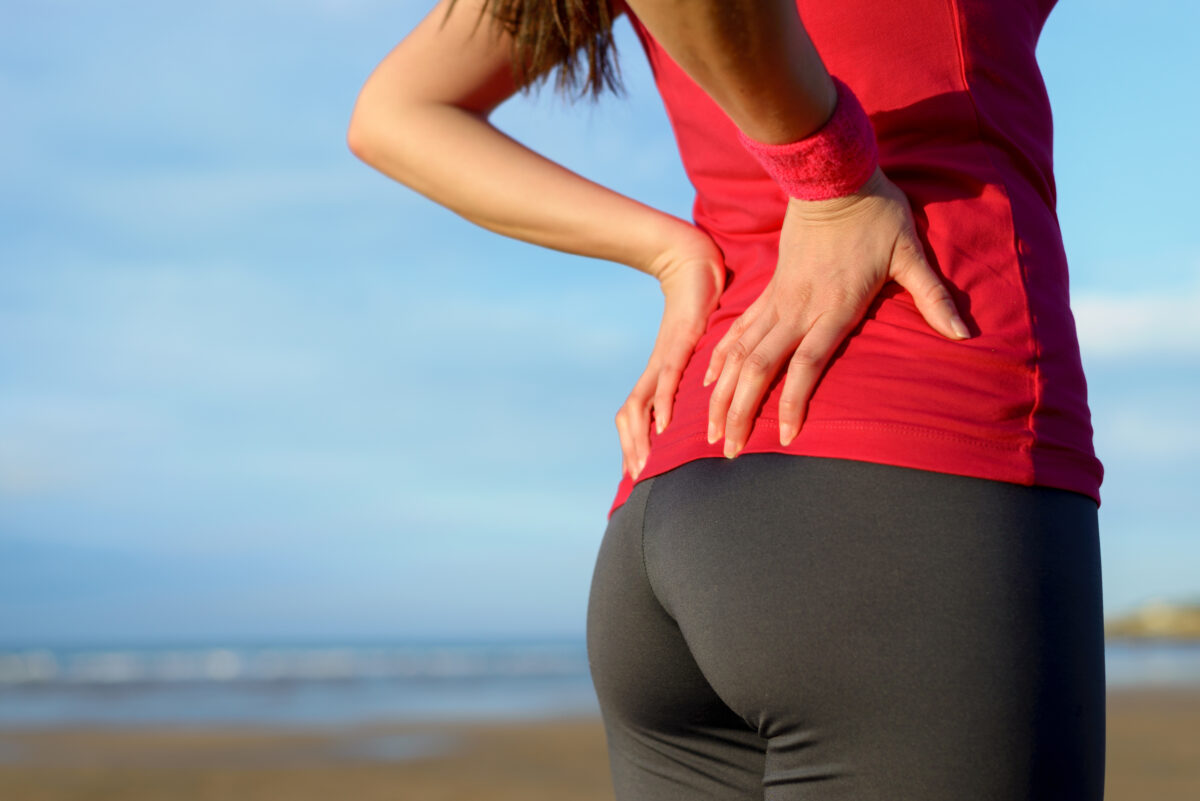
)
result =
(559, 33)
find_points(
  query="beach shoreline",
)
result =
(1152, 753)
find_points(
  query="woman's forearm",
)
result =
(752, 57)
(457, 158)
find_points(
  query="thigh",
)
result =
(890, 633)
(670, 737)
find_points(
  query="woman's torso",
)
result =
(963, 124)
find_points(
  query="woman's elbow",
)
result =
(359, 137)
(383, 136)
(370, 117)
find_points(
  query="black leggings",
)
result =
(786, 627)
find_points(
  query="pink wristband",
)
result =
(833, 161)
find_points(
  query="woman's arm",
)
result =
(422, 119)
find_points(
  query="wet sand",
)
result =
(1153, 753)
(1153, 745)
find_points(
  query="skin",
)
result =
(422, 118)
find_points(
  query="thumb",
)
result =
(911, 271)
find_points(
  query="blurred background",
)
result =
(302, 476)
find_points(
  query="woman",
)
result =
(889, 587)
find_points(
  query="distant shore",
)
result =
(1153, 752)
(1156, 620)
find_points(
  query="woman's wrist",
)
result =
(837, 207)
(668, 238)
(833, 161)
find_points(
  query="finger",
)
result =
(640, 405)
(716, 362)
(627, 449)
(727, 379)
(633, 431)
(626, 423)
(760, 367)
(805, 368)
(639, 428)
(640, 432)
(911, 270)
(664, 395)
(669, 375)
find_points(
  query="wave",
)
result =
(263, 664)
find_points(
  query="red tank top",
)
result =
(963, 122)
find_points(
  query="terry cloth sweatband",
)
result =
(833, 161)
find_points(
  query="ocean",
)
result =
(337, 683)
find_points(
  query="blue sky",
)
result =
(251, 388)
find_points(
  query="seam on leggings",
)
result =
(642, 536)
(642, 545)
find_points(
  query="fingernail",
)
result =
(641, 466)
(960, 328)
(708, 378)
(659, 426)
(713, 436)
(731, 449)
(786, 432)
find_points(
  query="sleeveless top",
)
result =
(963, 123)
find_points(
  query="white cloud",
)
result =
(1115, 325)
(31, 473)
(1144, 433)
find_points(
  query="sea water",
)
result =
(291, 683)
(339, 683)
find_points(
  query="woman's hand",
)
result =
(691, 274)
(834, 257)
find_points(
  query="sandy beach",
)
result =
(1153, 753)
